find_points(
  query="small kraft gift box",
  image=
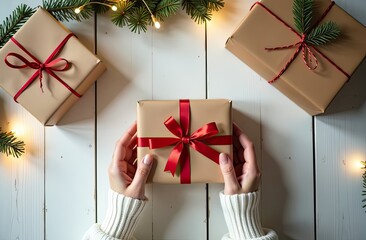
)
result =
(308, 72)
(46, 69)
(185, 137)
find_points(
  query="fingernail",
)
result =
(147, 160)
(223, 158)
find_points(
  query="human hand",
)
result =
(242, 176)
(126, 176)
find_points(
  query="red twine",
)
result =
(307, 54)
(197, 140)
(49, 66)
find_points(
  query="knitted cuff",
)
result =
(122, 215)
(242, 215)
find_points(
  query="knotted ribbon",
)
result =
(307, 53)
(197, 140)
(49, 66)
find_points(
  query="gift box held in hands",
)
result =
(308, 74)
(185, 138)
(46, 69)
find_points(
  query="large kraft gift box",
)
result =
(181, 130)
(312, 90)
(41, 36)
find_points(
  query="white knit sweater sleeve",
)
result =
(120, 221)
(242, 217)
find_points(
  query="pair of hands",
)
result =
(128, 178)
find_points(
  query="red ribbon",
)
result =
(307, 54)
(49, 66)
(197, 140)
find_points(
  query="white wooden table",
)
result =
(311, 188)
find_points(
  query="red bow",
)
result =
(48, 66)
(197, 140)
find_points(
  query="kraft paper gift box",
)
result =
(39, 38)
(312, 90)
(169, 127)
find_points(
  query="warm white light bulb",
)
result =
(157, 24)
(114, 8)
(77, 10)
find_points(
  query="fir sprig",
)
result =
(165, 8)
(323, 33)
(12, 23)
(9, 144)
(201, 10)
(139, 19)
(64, 10)
(320, 34)
(303, 13)
(364, 183)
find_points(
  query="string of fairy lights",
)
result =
(114, 8)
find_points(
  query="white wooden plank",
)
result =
(230, 78)
(167, 64)
(340, 145)
(280, 130)
(128, 57)
(21, 180)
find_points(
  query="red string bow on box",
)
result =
(198, 140)
(302, 46)
(49, 66)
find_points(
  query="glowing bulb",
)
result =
(77, 10)
(114, 8)
(358, 164)
(18, 130)
(156, 22)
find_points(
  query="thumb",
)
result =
(228, 172)
(141, 175)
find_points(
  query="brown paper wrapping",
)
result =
(40, 35)
(311, 90)
(151, 116)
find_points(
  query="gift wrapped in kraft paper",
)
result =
(185, 138)
(267, 41)
(46, 69)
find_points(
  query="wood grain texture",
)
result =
(340, 144)
(21, 180)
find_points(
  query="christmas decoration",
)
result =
(185, 137)
(294, 45)
(45, 68)
(10, 145)
(135, 14)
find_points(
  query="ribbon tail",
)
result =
(206, 151)
(185, 166)
(174, 157)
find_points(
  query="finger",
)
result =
(228, 173)
(142, 173)
(128, 135)
(249, 150)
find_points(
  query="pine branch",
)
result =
(197, 9)
(323, 33)
(64, 10)
(166, 8)
(122, 15)
(14, 22)
(9, 144)
(303, 12)
(139, 19)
